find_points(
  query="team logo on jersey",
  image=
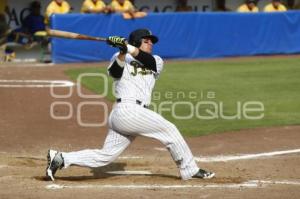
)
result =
(138, 68)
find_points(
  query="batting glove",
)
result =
(116, 41)
(119, 42)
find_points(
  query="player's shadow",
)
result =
(102, 173)
(97, 173)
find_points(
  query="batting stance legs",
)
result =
(126, 122)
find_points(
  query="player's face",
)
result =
(146, 45)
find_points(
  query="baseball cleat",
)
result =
(55, 161)
(204, 174)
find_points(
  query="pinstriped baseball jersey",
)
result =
(137, 82)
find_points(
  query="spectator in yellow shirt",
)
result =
(94, 6)
(275, 6)
(127, 8)
(122, 6)
(248, 6)
(56, 7)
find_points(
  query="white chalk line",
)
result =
(160, 149)
(248, 184)
(283, 182)
(24, 60)
(150, 186)
(130, 157)
(223, 158)
(35, 83)
(41, 65)
(27, 64)
(3, 166)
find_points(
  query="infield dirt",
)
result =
(28, 131)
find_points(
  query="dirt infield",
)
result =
(257, 163)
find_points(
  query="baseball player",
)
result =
(134, 70)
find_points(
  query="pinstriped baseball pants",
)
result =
(126, 121)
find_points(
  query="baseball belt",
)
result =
(138, 102)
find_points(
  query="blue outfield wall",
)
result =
(182, 35)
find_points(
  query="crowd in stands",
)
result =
(125, 7)
(34, 25)
(251, 6)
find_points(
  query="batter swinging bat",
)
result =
(72, 35)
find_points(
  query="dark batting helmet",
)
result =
(135, 37)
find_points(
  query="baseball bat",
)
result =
(72, 35)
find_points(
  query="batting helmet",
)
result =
(135, 37)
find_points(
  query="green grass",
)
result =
(274, 82)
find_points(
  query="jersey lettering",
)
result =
(138, 68)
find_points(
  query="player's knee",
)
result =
(171, 128)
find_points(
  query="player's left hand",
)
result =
(119, 42)
(116, 41)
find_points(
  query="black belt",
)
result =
(136, 101)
